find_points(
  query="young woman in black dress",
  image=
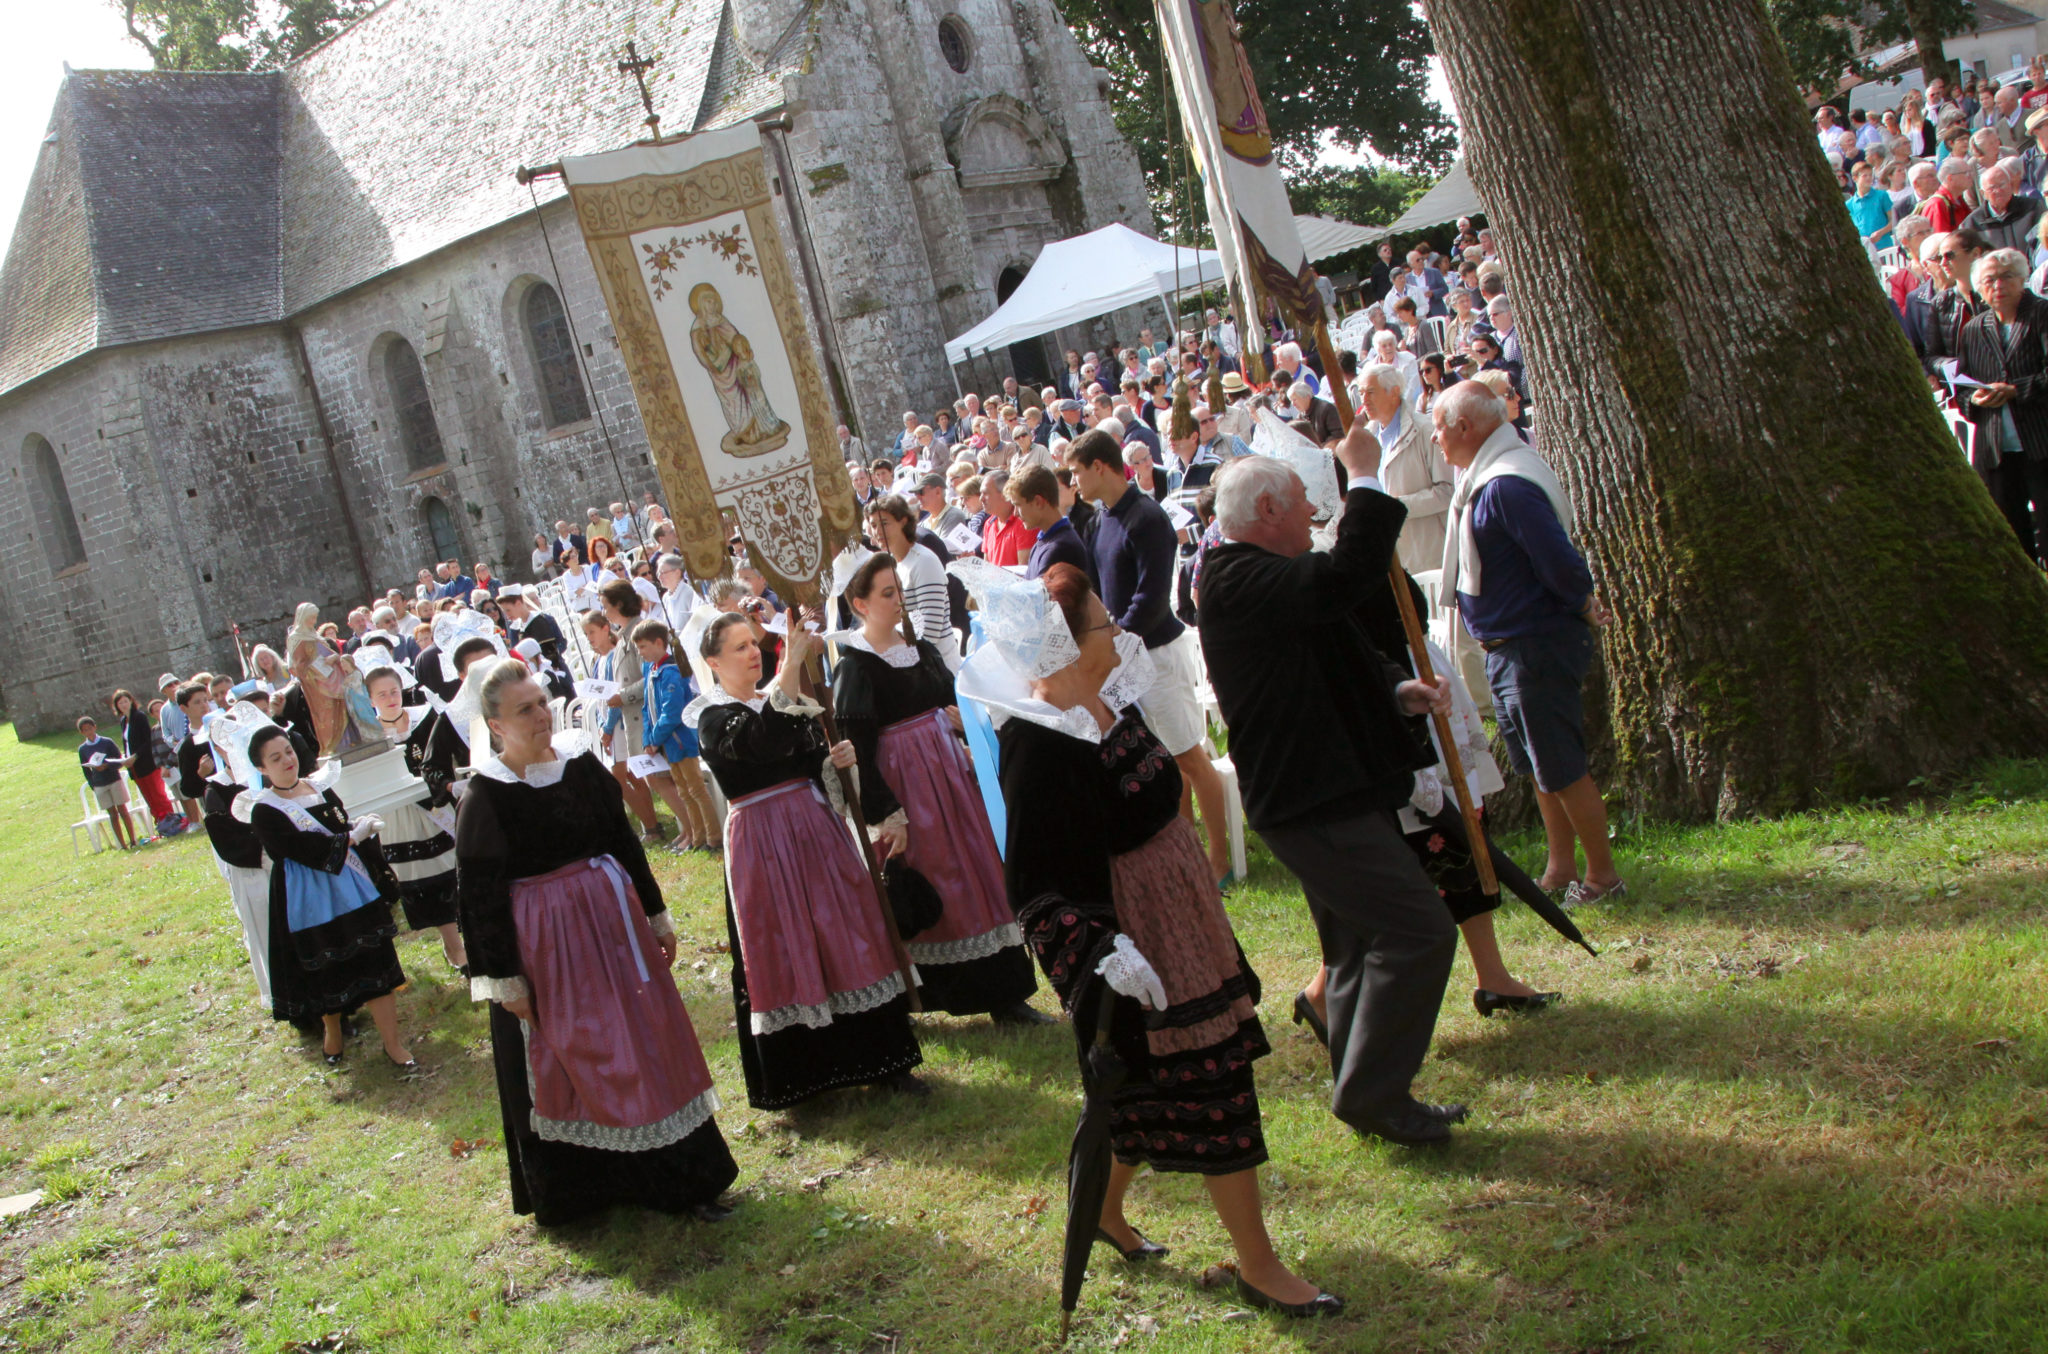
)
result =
(820, 1000)
(895, 703)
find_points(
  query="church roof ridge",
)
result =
(182, 202)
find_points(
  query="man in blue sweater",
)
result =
(1136, 554)
(1527, 597)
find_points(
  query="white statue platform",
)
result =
(378, 782)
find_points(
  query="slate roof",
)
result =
(153, 211)
(175, 203)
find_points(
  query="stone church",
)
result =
(290, 335)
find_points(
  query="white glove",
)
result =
(365, 827)
(1130, 974)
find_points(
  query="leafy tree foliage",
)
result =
(1353, 74)
(1367, 194)
(235, 35)
(1826, 39)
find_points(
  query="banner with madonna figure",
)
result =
(689, 255)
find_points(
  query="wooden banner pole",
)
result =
(810, 684)
(1482, 855)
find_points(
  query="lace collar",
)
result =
(296, 810)
(773, 698)
(1006, 692)
(568, 745)
(902, 656)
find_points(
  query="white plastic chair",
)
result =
(95, 818)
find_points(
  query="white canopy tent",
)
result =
(1088, 275)
(1451, 197)
(1321, 236)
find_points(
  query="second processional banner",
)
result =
(1226, 123)
(690, 259)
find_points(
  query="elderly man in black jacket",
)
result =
(1324, 735)
(2006, 348)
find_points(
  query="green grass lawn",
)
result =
(1798, 1105)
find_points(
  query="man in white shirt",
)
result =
(1386, 348)
(1288, 368)
(1222, 331)
(678, 598)
(625, 529)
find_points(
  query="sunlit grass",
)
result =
(1799, 1104)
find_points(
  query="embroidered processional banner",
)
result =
(1248, 208)
(690, 259)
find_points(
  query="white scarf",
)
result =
(1502, 454)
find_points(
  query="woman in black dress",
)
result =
(896, 706)
(602, 1083)
(820, 1000)
(1110, 881)
(330, 902)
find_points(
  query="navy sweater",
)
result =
(1135, 554)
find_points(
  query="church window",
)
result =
(554, 357)
(417, 431)
(55, 521)
(954, 43)
(440, 524)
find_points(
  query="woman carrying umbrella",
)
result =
(1110, 881)
(895, 703)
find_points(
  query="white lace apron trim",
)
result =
(837, 1004)
(642, 1138)
(967, 947)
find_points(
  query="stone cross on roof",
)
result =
(637, 66)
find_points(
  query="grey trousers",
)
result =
(1388, 942)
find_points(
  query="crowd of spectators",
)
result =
(1946, 192)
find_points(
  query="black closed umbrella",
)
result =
(1088, 1160)
(1513, 878)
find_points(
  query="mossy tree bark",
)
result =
(1815, 597)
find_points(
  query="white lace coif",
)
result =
(1019, 618)
(1272, 437)
(453, 627)
(230, 734)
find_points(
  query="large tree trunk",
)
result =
(1925, 24)
(1815, 595)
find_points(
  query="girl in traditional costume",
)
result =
(1110, 882)
(330, 902)
(895, 703)
(602, 1083)
(820, 1000)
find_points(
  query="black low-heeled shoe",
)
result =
(1322, 1304)
(1486, 1003)
(1305, 1014)
(1020, 1013)
(333, 1059)
(1143, 1251)
(711, 1212)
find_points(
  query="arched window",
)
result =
(440, 524)
(56, 523)
(417, 432)
(554, 356)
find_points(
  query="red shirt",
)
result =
(1007, 542)
(1944, 212)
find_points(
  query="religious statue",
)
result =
(319, 672)
(725, 353)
